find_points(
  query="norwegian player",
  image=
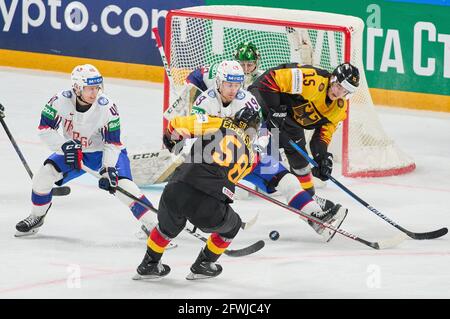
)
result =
(91, 135)
(224, 99)
(204, 78)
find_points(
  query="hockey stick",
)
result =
(175, 107)
(383, 244)
(428, 235)
(56, 191)
(232, 253)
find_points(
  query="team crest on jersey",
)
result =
(103, 100)
(202, 118)
(340, 103)
(212, 94)
(321, 87)
(67, 94)
(240, 95)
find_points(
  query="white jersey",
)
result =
(210, 102)
(98, 129)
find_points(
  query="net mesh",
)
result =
(203, 40)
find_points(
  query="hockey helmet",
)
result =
(229, 71)
(247, 51)
(85, 75)
(347, 75)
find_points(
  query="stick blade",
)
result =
(429, 235)
(392, 242)
(246, 250)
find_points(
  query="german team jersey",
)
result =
(303, 89)
(220, 157)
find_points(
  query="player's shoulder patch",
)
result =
(201, 118)
(240, 95)
(102, 100)
(212, 93)
(68, 94)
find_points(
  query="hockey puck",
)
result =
(274, 235)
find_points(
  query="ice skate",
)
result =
(29, 226)
(151, 270)
(204, 269)
(334, 216)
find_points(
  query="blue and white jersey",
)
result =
(209, 102)
(98, 129)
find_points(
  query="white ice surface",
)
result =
(89, 235)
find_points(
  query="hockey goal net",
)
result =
(204, 35)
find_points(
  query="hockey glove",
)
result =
(2, 111)
(325, 166)
(277, 117)
(73, 154)
(169, 142)
(109, 180)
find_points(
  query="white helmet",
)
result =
(85, 75)
(229, 71)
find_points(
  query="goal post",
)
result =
(199, 36)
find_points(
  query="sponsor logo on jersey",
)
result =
(212, 93)
(197, 110)
(114, 125)
(202, 118)
(67, 94)
(297, 78)
(240, 95)
(49, 112)
(228, 193)
(102, 100)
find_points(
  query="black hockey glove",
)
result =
(325, 162)
(109, 180)
(277, 117)
(169, 142)
(73, 154)
(2, 111)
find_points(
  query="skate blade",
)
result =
(337, 222)
(148, 277)
(24, 234)
(192, 276)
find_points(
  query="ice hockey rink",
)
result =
(87, 247)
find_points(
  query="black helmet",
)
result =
(348, 76)
(249, 116)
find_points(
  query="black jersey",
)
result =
(220, 157)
